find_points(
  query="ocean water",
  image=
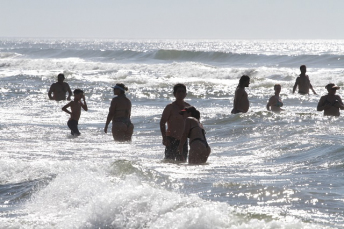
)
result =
(266, 170)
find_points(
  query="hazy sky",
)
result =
(194, 19)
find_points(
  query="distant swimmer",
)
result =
(59, 89)
(119, 114)
(241, 103)
(275, 102)
(330, 103)
(175, 125)
(303, 82)
(75, 112)
(199, 148)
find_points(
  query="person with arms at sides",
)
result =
(330, 103)
(275, 102)
(119, 114)
(175, 125)
(241, 103)
(193, 129)
(59, 89)
(75, 112)
(303, 82)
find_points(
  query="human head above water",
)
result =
(332, 86)
(303, 68)
(122, 88)
(177, 86)
(192, 111)
(60, 77)
(243, 80)
(78, 93)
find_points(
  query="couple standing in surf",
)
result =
(183, 121)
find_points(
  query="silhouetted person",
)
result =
(303, 82)
(330, 103)
(59, 89)
(75, 112)
(275, 102)
(119, 113)
(199, 148)
(175, 125)
(241, 103)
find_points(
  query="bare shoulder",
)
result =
(187, 104)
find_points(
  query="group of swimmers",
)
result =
(182, 119)
(330, 104)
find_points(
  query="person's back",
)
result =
(123, 107)
(119, 114)
(199, 148)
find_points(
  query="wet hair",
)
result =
(302, 66)
(277, 85)
(194, 112)
(122, 86)
(78, 91)
(61, 75)
(178, 85)
(243, 79)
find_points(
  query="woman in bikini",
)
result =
(199, 148)
(275, 102)
(119, 113)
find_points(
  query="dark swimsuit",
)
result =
(204, 141)
(124, 120)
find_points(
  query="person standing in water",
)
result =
(119, 113)
(59, 89)
(193, 129)
(241, 103)
(175, 125)
(303, 82)
(275, 102)
(330, 103)
(75, 112)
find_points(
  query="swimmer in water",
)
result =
(275, 102)
(119, 114)
(199, 148)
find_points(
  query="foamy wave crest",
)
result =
(92, 198)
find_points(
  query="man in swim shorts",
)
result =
(175, 125)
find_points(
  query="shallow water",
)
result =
(266, 170)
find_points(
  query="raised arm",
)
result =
(339, 104)
(164, 118)
(83, 104)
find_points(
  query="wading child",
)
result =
(75, 112)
